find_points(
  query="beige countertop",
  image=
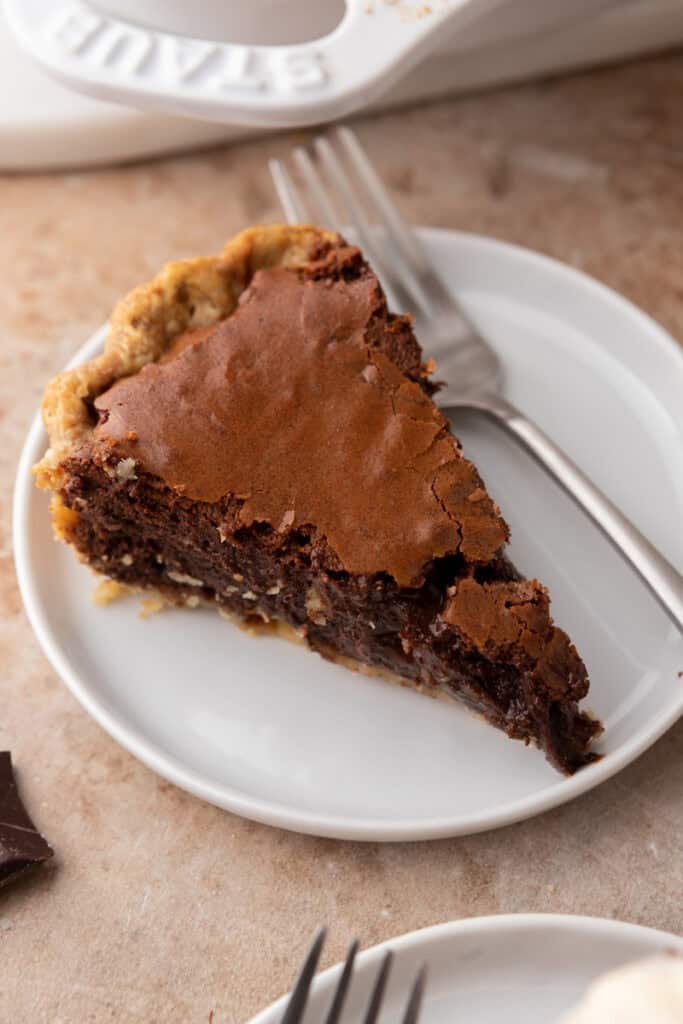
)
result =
(158, 907)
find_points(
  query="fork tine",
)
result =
(415, 1000)
(290, 198)
(404, 298)
(299, 997)
(378, 991)
(401, 233)
(342, 985)
(403, 238)
(324, 208)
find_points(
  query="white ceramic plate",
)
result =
(273, 732)
(515, 968)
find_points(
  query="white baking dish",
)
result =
(456, 46)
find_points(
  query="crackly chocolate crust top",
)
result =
(259, 434)
(302, 403)
(183, 295)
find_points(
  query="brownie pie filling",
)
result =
(287, 463)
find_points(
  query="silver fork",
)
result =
(298, 1000)
(471, 368)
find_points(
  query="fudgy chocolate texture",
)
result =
(21, 845)
(306, 404)
(288, 464)
(141, 532)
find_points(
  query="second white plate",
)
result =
(514, 968)
(273, 732)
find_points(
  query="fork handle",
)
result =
(665, 582)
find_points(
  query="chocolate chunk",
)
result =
(21, 845)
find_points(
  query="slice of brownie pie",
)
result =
(259, 435)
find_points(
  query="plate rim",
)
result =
(276, 813)
(483, 925)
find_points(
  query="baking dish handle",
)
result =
(375, 44)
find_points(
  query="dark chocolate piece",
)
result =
(21, 845)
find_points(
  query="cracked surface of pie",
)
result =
(260, 434)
